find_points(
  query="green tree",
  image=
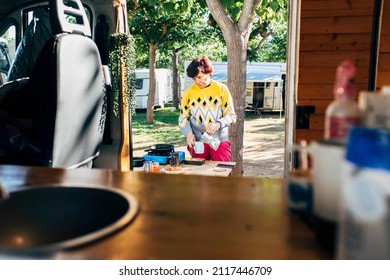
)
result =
(272, 48)
(162, 22)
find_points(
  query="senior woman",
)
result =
(206, 106)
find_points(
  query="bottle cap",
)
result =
(345, 79)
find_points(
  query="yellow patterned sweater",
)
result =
(200, 106)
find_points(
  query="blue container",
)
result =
(369, 148)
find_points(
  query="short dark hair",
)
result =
(199, 64)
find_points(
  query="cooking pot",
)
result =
(138, 161)
(161, 149)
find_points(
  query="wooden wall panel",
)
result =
(315, 91)
(317, 121)
(343, 6)
(385, 23)
(331, 31)
(383, 79)
(334, 42)
(331, 25)
(330, 59)
(384, 64)
(385, 43)
(308, 135)
(326, 75)
(321, 91)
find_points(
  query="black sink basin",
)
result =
(48, 218)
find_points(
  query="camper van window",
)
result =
(8, 39)
(168, 81)
(78, 19)
(4, 58)
(29, 15)
(139, 83)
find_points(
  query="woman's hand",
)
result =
(190, 139)
(213, 127)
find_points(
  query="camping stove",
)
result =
(162, 157)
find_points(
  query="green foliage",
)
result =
(157, 22)
(122, 46)
(212, 47)
(271, 18)
(186, 27)
(274, 48)
(272, 10)
(197, 35)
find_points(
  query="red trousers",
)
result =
(223, 153)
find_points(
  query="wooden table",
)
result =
(209, 168)
(187, 217)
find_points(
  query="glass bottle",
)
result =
(343, 112)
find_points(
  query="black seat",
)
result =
(65, 95)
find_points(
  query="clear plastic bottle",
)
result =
(363, 228)
(343, 112)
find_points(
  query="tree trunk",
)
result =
(236, 52)
(176, 87)
(236, 36)
(152, 82)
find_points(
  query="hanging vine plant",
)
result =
(122, 48)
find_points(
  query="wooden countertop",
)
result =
(209, 168)
(187, 217)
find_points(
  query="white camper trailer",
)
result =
(264, 84)
(163, 88)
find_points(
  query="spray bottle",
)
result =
(343, 112)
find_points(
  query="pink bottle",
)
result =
(343, 112)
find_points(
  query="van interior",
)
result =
(53, 59)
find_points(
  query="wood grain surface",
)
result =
(187, 217)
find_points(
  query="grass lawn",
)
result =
(164, 129)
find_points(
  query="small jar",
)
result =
(175, 161)
(154, 167)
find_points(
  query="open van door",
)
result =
(104, 18)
